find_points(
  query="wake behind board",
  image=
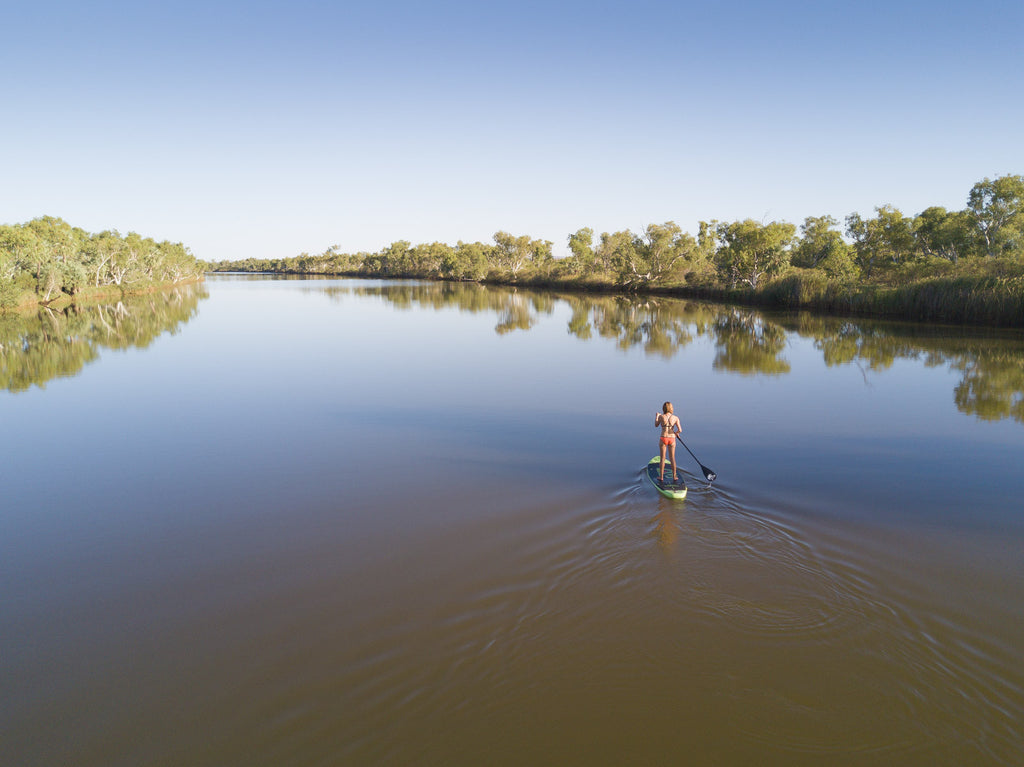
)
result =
(668, 488)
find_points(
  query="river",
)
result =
(273, 521)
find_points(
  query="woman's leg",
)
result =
(662, 445)
(672, 456)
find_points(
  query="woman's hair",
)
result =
(666, 408)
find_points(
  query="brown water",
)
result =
(335, 522)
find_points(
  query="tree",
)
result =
(996, 208)
(942, 234)
(19, 250)
(821, 246)
(644, 259)
(752, 251)
(883, 241)
(543, 255)
(703, 257)
(59, 246)
(99, 252)
(394, 259)
(612, 247)
(468, 261)
(426, 260)
(512, 253)
(581, 245)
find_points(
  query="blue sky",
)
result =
(268, 128)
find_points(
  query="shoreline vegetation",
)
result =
(957, 267)
(49, 263)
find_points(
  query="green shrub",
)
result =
(798, 288)
(74, 276)
(10, 294)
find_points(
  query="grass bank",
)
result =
(994, 301)
(29, 301)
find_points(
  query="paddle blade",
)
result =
(709, 475)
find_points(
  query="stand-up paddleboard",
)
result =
(668, 488)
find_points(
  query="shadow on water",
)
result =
(36, 348)
(747, 342)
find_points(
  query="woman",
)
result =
(670, 426)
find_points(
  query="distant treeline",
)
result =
(962, 266)
(48, 258)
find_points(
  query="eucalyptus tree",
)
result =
(612, 248)
(660, 251)
(426, 260)
(61, 241)
(649, 257)
(942, 234)
(18, 247)
(18, 250)
(996, 208)
(512, 253)
(883, 241)
(57, 255)
(177, 263)
(395, 258)
(703, 258)
(581, 245)
(124, 267)
(475, 258)
(466, 261)
(751, 251)
(821, 246)
(100, 251)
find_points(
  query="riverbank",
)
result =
(985, 299)
(29, 301)
(977, 300)
(49, 262)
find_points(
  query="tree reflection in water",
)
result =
(36, 348)
(992, 386)
(748, 342)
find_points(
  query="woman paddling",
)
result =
(670, 426)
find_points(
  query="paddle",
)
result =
(709, 475)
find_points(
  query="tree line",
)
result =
(47, 258)
(886, 248)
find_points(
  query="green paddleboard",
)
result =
(668, 488)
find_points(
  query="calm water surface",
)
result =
(320, 522)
